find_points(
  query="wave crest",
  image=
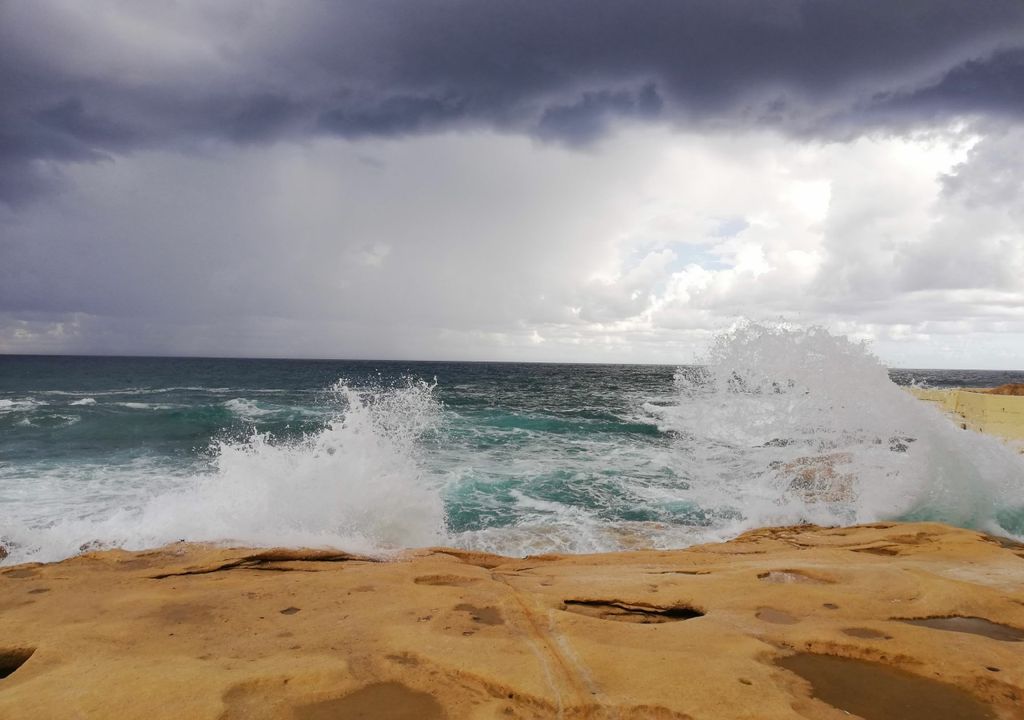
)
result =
(787, 425)
(356, 483)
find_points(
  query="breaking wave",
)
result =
(357, 483)
(776, 426)
(786, 426)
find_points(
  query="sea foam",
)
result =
(357, 484)
(777, 426)
(786, 426)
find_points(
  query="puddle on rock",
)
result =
(21, 573)
(867, 633)
(875, 691)
(778, 617)
(971, 625)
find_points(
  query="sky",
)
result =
(568, 181)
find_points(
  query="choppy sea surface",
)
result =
(776, 426)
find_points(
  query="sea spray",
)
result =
(357, 484)
(786, 425)
(778, 425)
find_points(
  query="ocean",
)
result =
(776, 426)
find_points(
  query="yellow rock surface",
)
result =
(993, 413)
(717, 631)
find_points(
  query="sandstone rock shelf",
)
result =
(995, 411)
(780, 623)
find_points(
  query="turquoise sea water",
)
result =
(775, 427)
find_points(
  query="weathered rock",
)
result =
(1008, 389)
(779, 623)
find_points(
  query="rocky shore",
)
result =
(882, 621)
(997, 411)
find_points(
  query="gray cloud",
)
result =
(575, 180)
(587, 118)
(492, 246)
(977, 238)
(991, 86)
(80, 84)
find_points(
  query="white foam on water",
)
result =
(356, 484)
(246, 409)
(786, 426)
(141, 390)
(780, 426)
(50, 421)
(254, 411)
(19, 405)
(575, 532)
(80, 393)
(84, 401)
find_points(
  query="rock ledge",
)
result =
(880, 621)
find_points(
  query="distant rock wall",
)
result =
(996, 411)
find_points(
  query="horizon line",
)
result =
(406, 360)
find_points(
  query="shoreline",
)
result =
(745, 628)
(778, 623)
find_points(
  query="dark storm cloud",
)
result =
(993, 86)
(586, 119)
(392, 114)
(79, 86)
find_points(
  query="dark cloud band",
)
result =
(562, 71)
